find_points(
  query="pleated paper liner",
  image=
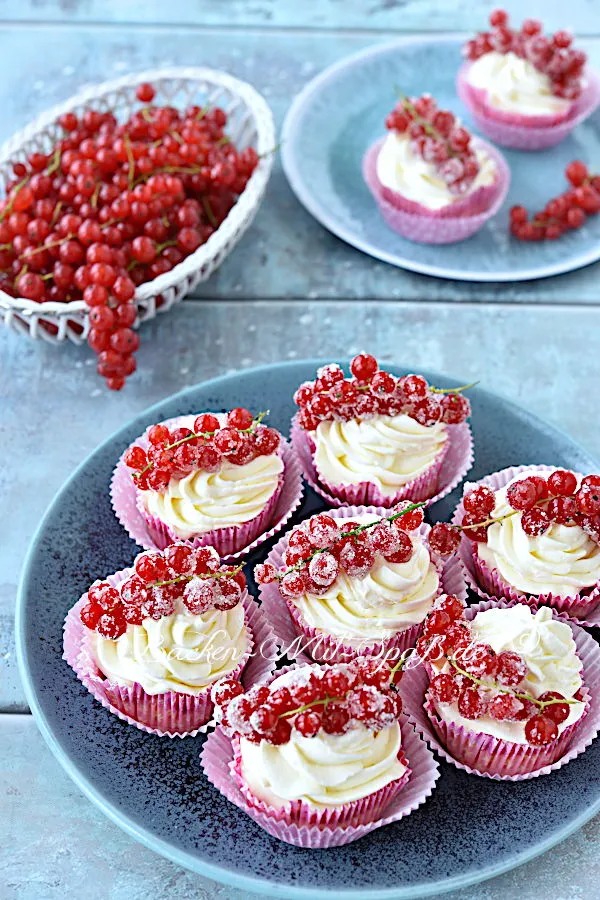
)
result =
(526, 132)
(170, 714)
(303, 642)
(299, 824)
(440, 479)
(489, 757)
(230, 543)
(583, 607)
(452, 223)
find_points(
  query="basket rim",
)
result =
(265, 146)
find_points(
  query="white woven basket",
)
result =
(250, 122)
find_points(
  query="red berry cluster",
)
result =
(439, 138)
(175, 453)
(331, 699)
(541, 502)
(177, 577)
(370, 392)
(481, 682)
(566, 212)
(552, 56)
(113, 206)
(320, 547)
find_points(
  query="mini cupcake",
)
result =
(321, 755)
(358, 582)
(506, 695)
(149, 642)
(374, 439)
(523, 89)
(224, 480)
(539, 541)
(433, 181)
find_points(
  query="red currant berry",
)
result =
(240, 418)
(523, 494)
(511, 669)
(206, 424)
(480, 501)
(444, 539)
(541, 730)
(151, 567)
(535, 522)
(562, 483)
(145, 93)
(559, 711)
(471, 703)
(363, 367)
(444, 688)
(308, 723)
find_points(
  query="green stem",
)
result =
(205, 435)
(542, 704)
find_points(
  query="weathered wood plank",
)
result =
(384, 15)
(55, 841)
(271, 259)
(524, 353)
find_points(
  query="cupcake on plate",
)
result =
(376, 439)
(150, 641)
(524, 89)
(356, 582)
(532, 533)
(221, 479)
(320, 755)
(433, 181)
(504, 693)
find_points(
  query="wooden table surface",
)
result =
(536, 343)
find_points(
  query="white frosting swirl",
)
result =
(514, 85)
(548, 648)
(403, 170)
(323, 771)
(562, 561)
(392, 597)
(389, 451)
(181, 652)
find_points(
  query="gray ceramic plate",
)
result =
(341, 112)
(470, 829)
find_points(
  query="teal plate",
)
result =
(468, 830)
(341, 112)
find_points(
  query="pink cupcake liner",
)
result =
(447, 226)
(302, 642)
(583, 607)
(330, 828)
(526, 132)
(490, 757)
(440, 479)
(170, 714)
(230, 543)
(296, 812)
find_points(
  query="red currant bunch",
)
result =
(177, 578)
(113, 206)
(321, 547)
(331, 699)
(566, 212)
(478, 681)
(175, 453)
(553, 56)
(370, 392)
(438, 138)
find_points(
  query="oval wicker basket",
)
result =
(250, 122)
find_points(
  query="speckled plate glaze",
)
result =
(154, 788)
(341, 112)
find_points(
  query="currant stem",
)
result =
(358, 530)
(205, 576)
(542, 704)
(324, 702)
(203, 434)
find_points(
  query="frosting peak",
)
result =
(514, 84)
(388, 451)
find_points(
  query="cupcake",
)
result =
(532, 533)
(320, 755)
(375, 439)
(433, 181)
(150, 641)
(357, 582)
(220, 479)
(506, 694)
(523, 89)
